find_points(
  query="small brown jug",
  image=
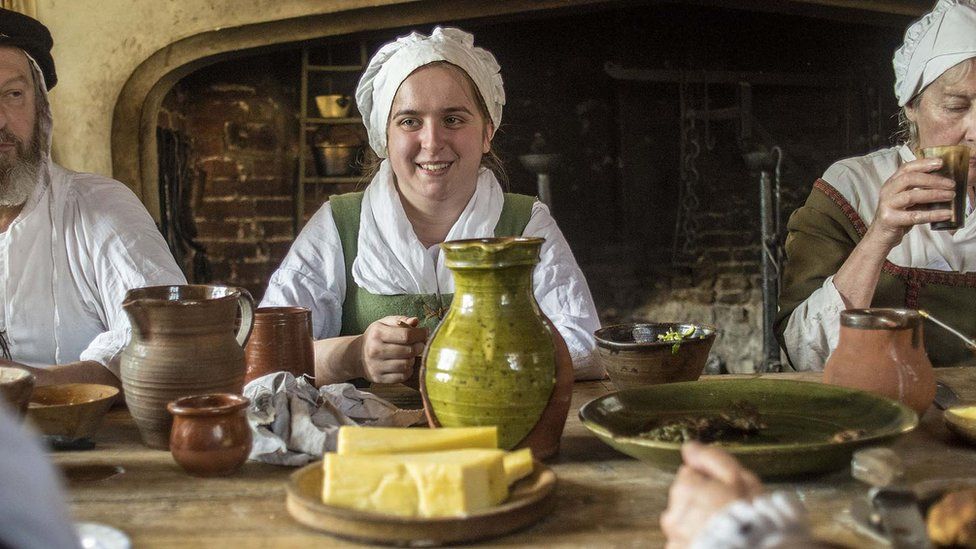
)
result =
(281, 341)
(210, 435)
(882, 351)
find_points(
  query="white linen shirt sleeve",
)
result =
(814, 327)
(563, 295)
(126, 251)
(313, 275)
(774, 521)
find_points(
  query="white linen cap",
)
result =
(395, 61)
(938, 41)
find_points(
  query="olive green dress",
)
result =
(361, 308)
(824, 232)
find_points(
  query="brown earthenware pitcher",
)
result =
(184, 342)
(882, 351)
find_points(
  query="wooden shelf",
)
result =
(322, 76)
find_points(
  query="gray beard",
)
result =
(18, 176)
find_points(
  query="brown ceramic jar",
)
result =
(210, 435)
(882, 351)
(281, 341)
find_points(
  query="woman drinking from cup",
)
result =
(368, 265)
(863, 238)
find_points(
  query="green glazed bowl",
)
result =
(801, 417)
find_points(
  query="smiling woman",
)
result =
(369, 264)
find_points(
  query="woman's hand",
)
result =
(390, 347)
(709, 480)
(903, 199)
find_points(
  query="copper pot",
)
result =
(281, 341)
(210, 435)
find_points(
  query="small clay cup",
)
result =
(16, 386)
(210, 435)
(281, 341)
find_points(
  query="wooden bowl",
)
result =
(16, 385)
(72, 411)
(636, 364)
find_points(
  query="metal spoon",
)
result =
(969, 342)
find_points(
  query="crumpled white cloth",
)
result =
(391, 259)
(293, 423)
(395, 61)
(938, 41)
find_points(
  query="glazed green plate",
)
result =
(802, 418)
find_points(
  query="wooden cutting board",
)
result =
(531, 499)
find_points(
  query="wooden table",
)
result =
(603, 499)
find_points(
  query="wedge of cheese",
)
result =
(518, 465)
(433, 484)
(398, 440)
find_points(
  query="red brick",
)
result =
(222, 210)
(205, 144)
(272, 229)
(218, 229)
(219, 167)
(271, 207)
(219, 269)
(221, 187)
(265, 186)
(278, 250)
(234, 251)
(259, 136)
(270, 167)
(254, 272)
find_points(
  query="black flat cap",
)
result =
(30, 35)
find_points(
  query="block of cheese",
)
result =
(432, 484)
(518, 465)
(399, 440)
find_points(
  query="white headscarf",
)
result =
(397, 60)
(934, 44)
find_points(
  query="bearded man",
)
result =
(71, 244)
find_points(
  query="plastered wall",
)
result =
(99, 43)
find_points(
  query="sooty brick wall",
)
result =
(241, 119)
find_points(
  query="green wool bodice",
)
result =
(361, 308)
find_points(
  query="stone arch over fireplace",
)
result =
(134, 157)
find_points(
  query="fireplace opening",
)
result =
(648, 118)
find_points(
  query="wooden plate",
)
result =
(530, 500)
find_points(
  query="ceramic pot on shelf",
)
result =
(882, 351)
(185, 342)
(496, 359)
(210, 435)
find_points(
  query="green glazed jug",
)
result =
(492, 359)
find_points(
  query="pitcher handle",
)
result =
(246, 303)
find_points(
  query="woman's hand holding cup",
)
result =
(390, 347)
(905, 198)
